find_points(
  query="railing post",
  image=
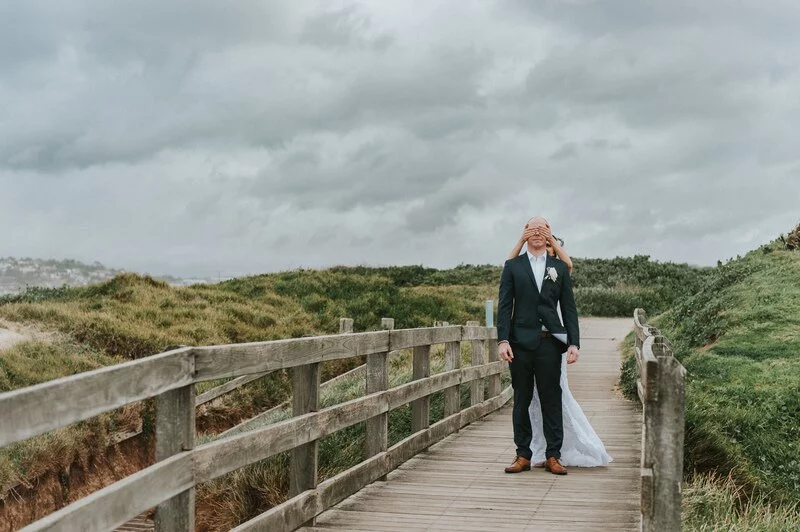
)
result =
(495, 385)
(476, 386)
(305, 399)
(663, 444)
(175, 431)
(377, 381)
(639, 321)
(452, 395)
(421, 408)
(345, 325)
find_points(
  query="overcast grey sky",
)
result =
(189, 136)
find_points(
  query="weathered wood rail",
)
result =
(170, 377)
(661, 391)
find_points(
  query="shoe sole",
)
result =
(520, 471)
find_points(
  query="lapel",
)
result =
(529, 268)
(547, 265)
(550, 263)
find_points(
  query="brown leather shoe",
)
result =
(554, 466)
(519, 465)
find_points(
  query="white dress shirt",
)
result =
(539, 265)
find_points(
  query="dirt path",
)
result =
(13, 333)
(9, 338)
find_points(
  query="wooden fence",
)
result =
(170, 377)
(661, 391)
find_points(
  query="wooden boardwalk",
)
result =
(459, 484)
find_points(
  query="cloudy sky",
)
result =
(191, 137)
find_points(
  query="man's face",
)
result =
(538, 238)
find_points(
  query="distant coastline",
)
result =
(17, 274)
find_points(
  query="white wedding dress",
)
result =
(581, 447)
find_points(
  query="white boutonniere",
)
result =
(552, 274)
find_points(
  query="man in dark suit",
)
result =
(532, 338)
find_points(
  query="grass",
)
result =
(715, 504)
(739, 339)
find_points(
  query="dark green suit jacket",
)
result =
(523, 310)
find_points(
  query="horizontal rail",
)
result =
(287, 404)
(118, 503)
(125, 499)
(226, 361)
(305, 506)
(223, 456)
(34, 410)
(31, 411)
(222, 389)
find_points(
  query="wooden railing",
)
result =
(661, 391)
(170, 377)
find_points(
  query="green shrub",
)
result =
(739, 338)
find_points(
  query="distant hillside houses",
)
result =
(17, 274)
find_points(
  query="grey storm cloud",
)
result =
(193, 137)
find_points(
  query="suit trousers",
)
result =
(542, 365)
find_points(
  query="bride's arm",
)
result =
(560, 253)
(520, 243)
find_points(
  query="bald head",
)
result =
(537, 221)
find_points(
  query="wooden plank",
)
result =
(664, 436)
(225, 361)
(494, 382)
(476, 332)
(414, 390)
(421, 408)
(31, 411)
(305, 399)
(647, 493)
(459, 484)
(476, 387)
(408, 338)
(479, 372)
(175, 431)
(223, 456)
(120, 502)
(308, 504)
(650, 369)
(271, 412)
(452, 361)
(377, 428)
(305, 506)
(345, 325)
(229, 386)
